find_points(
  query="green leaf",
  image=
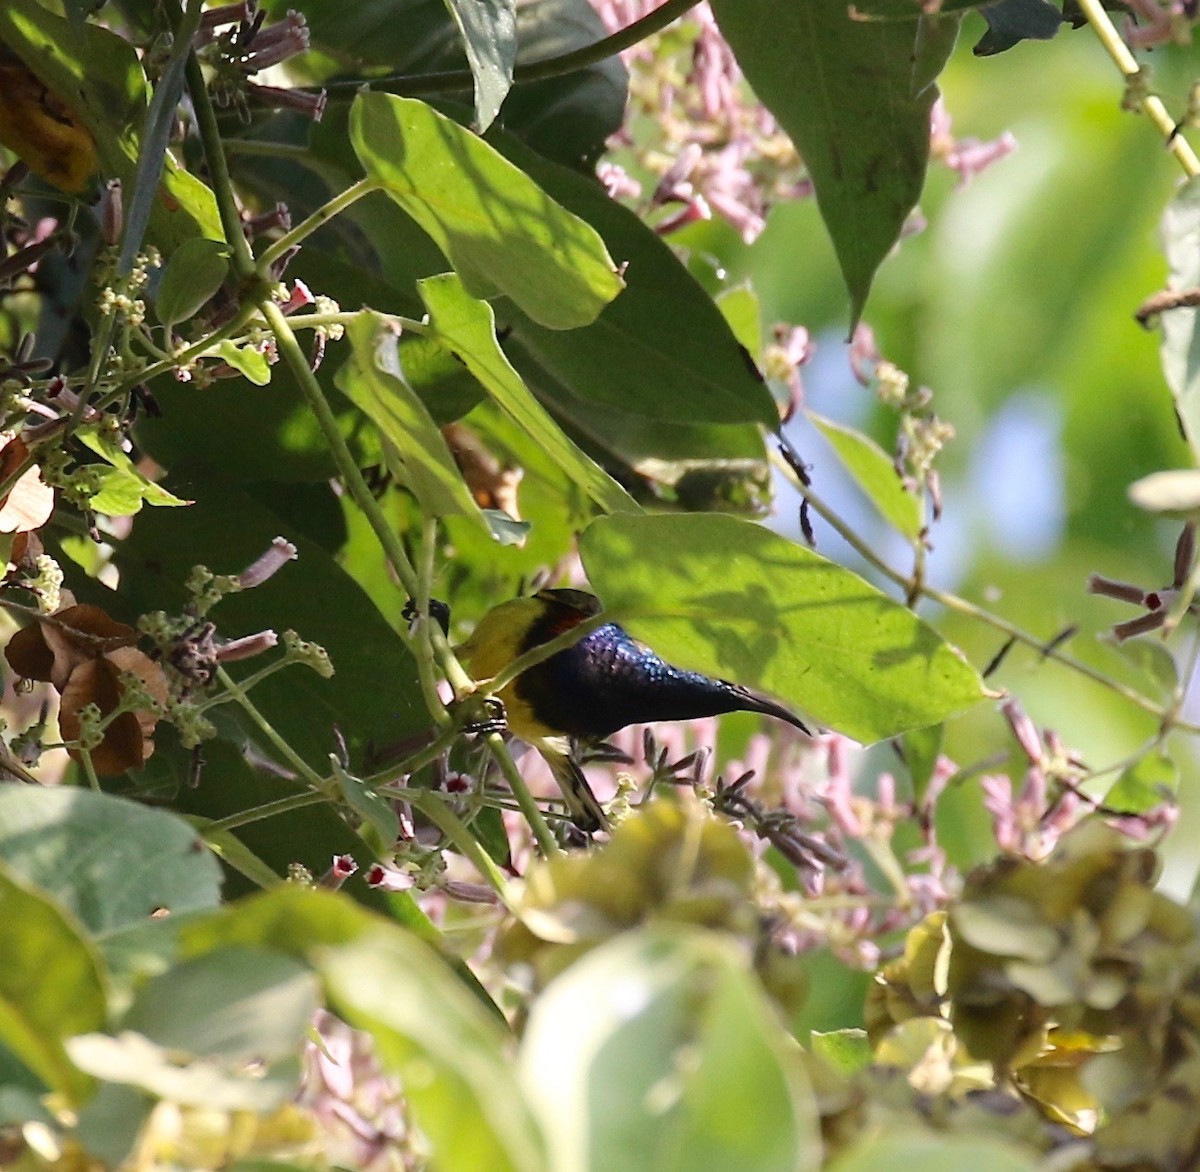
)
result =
(875, 473)
(123, 489)
(52, 985)
(372, 378)
(246, 434)
(222, 1031)
(1180, 352)
(662, 350)
(112, 1120)
(196, 270)
(499, 230)
(467, 327)
(1148, 782)
(740, 308)
(101, 74)
(375, 810)
(248, 361)
(108, 861)
(658, 1051)
(729, 597)
(444, 386)
(934, 1153)
(237, 1003)
(290, 919)
(855, 98)
(451, 1055)
(301, 921)
(373, 697)
(847, 1051)
(489, 32)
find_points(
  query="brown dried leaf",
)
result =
(127, 742)
(28, 655)
(53, 648)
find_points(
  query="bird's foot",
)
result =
(496, 720)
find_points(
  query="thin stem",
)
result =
(248, 684)
(423, 649)
(261, 146)
(463, 841)
(962, 606)
(267, 810)
(290, 352)
(319, 218)
(321, 321)
(89, 770)
(563, 63)
(525, 799)
(222, 185)
(1125, 61)
(248, 706)
(297, 361)
(416, 761)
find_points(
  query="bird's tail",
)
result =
(585, 809)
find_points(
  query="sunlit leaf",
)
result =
(662, 350)
(875, 473)
(733, 599)
(467, 327)
(1148, 782)
(847, 1051)
(237, 1003)
(1174, 494)
(247, 360)
(123, 489)
(566, 117)
(921, 748)
(500, 231)
(135, 1061)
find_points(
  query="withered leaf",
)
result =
(50, 650)
(127, 742)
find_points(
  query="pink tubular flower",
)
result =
(967, 156)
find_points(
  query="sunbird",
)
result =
(602, 683)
